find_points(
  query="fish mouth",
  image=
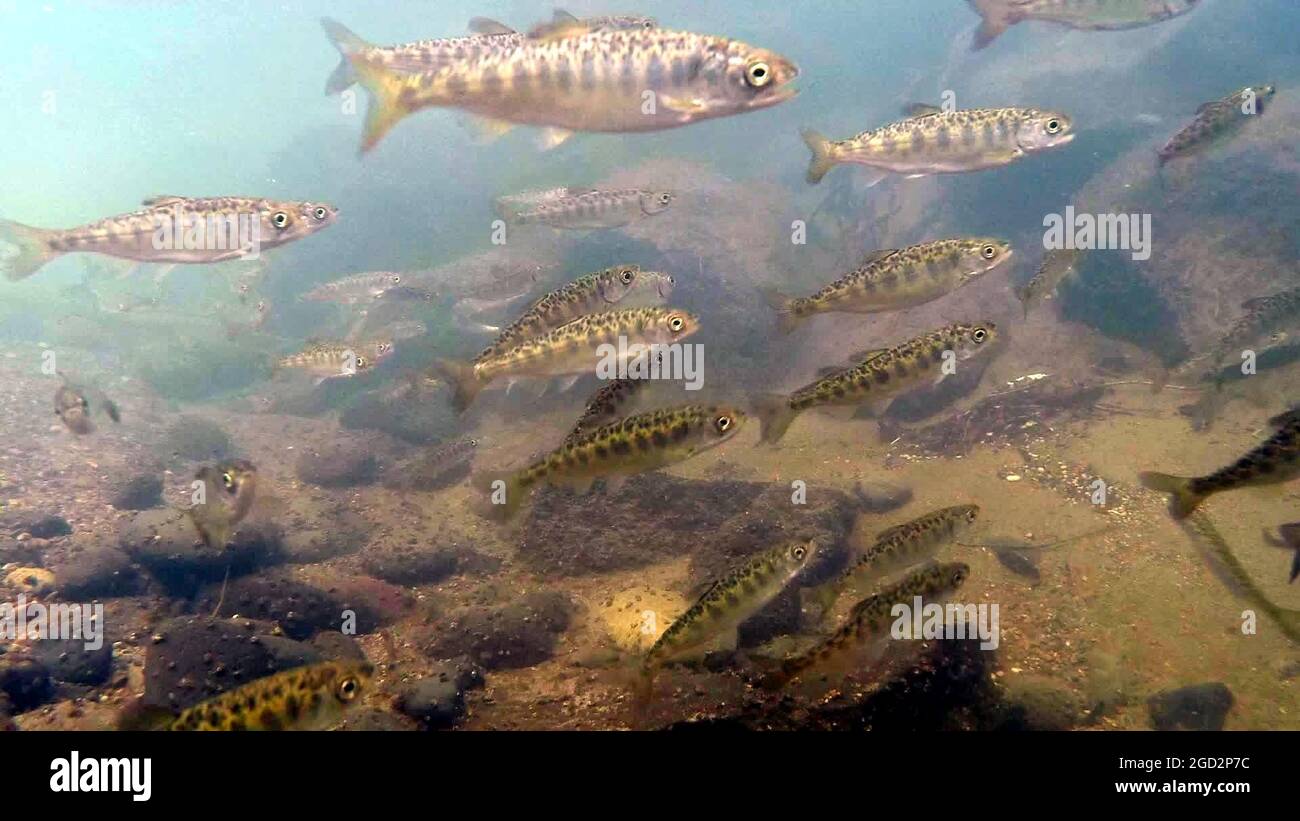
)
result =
(780, 95)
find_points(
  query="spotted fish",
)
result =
(635, 444)
(314, 697)
(879, 377)
(1276, 461)
(605, 80)
(931, 141)
(624, 285)
(869, 621)
(583, 208)
(1102, 15)
(894, 549)
(229, 489)
(1217, 121)
(74, 406)
(1052, 271)
(575, 348)
(355, 289)
(728, 602)
(605, 406)
(896, 279)
(331, 360)
(171, 230)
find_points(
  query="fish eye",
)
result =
(397, 280)
(758, 74)
(972, 515)
(348, 689)
(320, 213)
(676, 323)
(798, 552)
(279, 219)
(722, 423)
(228, 480)
(989, 252)
(648, 24)
(1053, 126)
(627, 275)
(665, 198)
(979, 335)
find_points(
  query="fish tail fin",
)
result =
(33, 249)
(505, 494)
(342, 78)
(787, 319)
(348, 43)
(1183, 500)
(464, 382)
(385, 108)
(774, 416)
(994, 19)
(822, 160)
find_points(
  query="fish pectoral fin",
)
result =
(551, 138)
(488, 129)
(683, 105)
(871, 177)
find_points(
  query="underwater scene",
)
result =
(904, 365)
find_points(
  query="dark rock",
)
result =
(191, 659)
(373, 602)
(411, 565)
(167, 545)
(198, 440)
(38, 525)
(337, 646)
(99, 572)
(26, 552)
(25, 681)
(342, 463)
(138, 493)
(69, 660)
(313, 545)
(1039, 703)
(300, 610)
(438, 701)
(1196, 707)
(418, 423)
(656, 517)
(515, 635)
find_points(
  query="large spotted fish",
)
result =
(169, 229)
(577, 79)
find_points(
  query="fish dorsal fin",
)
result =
(162, 199)
(489, 27)
(915, 111)
(864, 356)
(562, 25)
(878, 255)
(1286, 418)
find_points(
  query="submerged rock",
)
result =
(1039, 703)
(25, 681)
(138, 493)
(1196, 707)
(36, 525)
(881, 497)
(100, 572)
(438, 701)
(166, 543)
(191, 659)
(520, 634)
(69, 660)
(342, 463)
(299, 609)
(412, 565)
(198, 440)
